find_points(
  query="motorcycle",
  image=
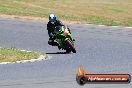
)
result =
(64, 39)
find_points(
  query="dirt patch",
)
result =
(22, 17)
(34, 18)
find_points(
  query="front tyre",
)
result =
(70, 47)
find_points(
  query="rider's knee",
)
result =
(50, 42)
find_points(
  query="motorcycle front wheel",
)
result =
(70, 47)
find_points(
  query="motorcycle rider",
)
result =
(53, 22)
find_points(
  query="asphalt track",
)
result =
(100, 49)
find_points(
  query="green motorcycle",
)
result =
(64, 39)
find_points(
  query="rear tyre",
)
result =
(70, 47)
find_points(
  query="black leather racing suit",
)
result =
(50, 28)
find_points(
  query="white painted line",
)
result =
(128, 27)
(115, 26)
(28, 51)
(25, 50)
(22, 50)
(88, 24)
(108, 26)
(101, 25)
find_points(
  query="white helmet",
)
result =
(52, 18)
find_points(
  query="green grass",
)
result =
(107, 12)
(13, 55)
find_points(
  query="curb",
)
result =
(41, 57)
